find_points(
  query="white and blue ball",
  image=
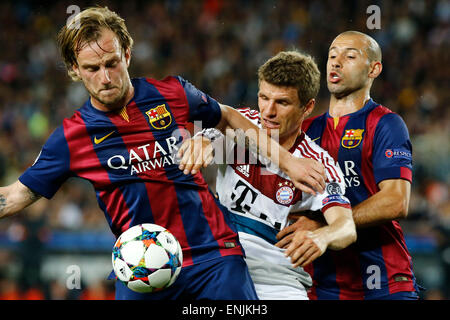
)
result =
(147, 258)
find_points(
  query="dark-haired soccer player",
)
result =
(372, 146)
(123, 141)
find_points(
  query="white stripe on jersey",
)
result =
(309, 149)
(250, 114)
(324, 158)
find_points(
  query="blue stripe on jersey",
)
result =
(140, 210)
(50, 165)
(115, 230)
(204, 104)
(196, 224)
(326, 274)
(189, 202)
(327, 294)
(315, 130)
(375, 281)
(254, 227)
(390, 137)
(387, 173)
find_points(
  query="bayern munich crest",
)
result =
(285, 194)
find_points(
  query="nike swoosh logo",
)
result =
(97, 141)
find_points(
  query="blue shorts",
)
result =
(225, 278)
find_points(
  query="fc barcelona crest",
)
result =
(352, 138)
(159, 117)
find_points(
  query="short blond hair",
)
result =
(86, 27)
(292, 69)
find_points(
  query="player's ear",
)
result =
(75, 72)
(128, 56)
(375, 69)
(76, 69)
(309, 107)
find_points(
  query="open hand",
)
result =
(307, 174)
(304, 223)
(194, 154)
(305, 247)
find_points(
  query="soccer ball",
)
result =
(147, 258)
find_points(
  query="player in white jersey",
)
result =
(261, 196)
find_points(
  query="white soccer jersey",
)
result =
(261, 198)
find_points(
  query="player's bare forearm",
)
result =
(304, 246)
(390, 203)
(14, 198)
(341, 230)
(254, 138)
(308, 175)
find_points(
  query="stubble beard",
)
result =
(342, 92)
(339, 93)
(114, 102)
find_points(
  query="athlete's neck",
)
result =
(289, 141)
(341, 106)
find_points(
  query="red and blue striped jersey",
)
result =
(370, 145)
(129, 158)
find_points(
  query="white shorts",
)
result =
(279, 292)
(272, 273)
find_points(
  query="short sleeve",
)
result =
(201, 106)
(51, 168)
(392, 149)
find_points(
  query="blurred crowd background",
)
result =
(217, 45)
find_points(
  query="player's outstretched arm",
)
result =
(14, 198)
(304, 246)
(308, 175)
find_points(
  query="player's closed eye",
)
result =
(92, 69)
(112, 64)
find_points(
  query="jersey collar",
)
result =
(370, 104)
